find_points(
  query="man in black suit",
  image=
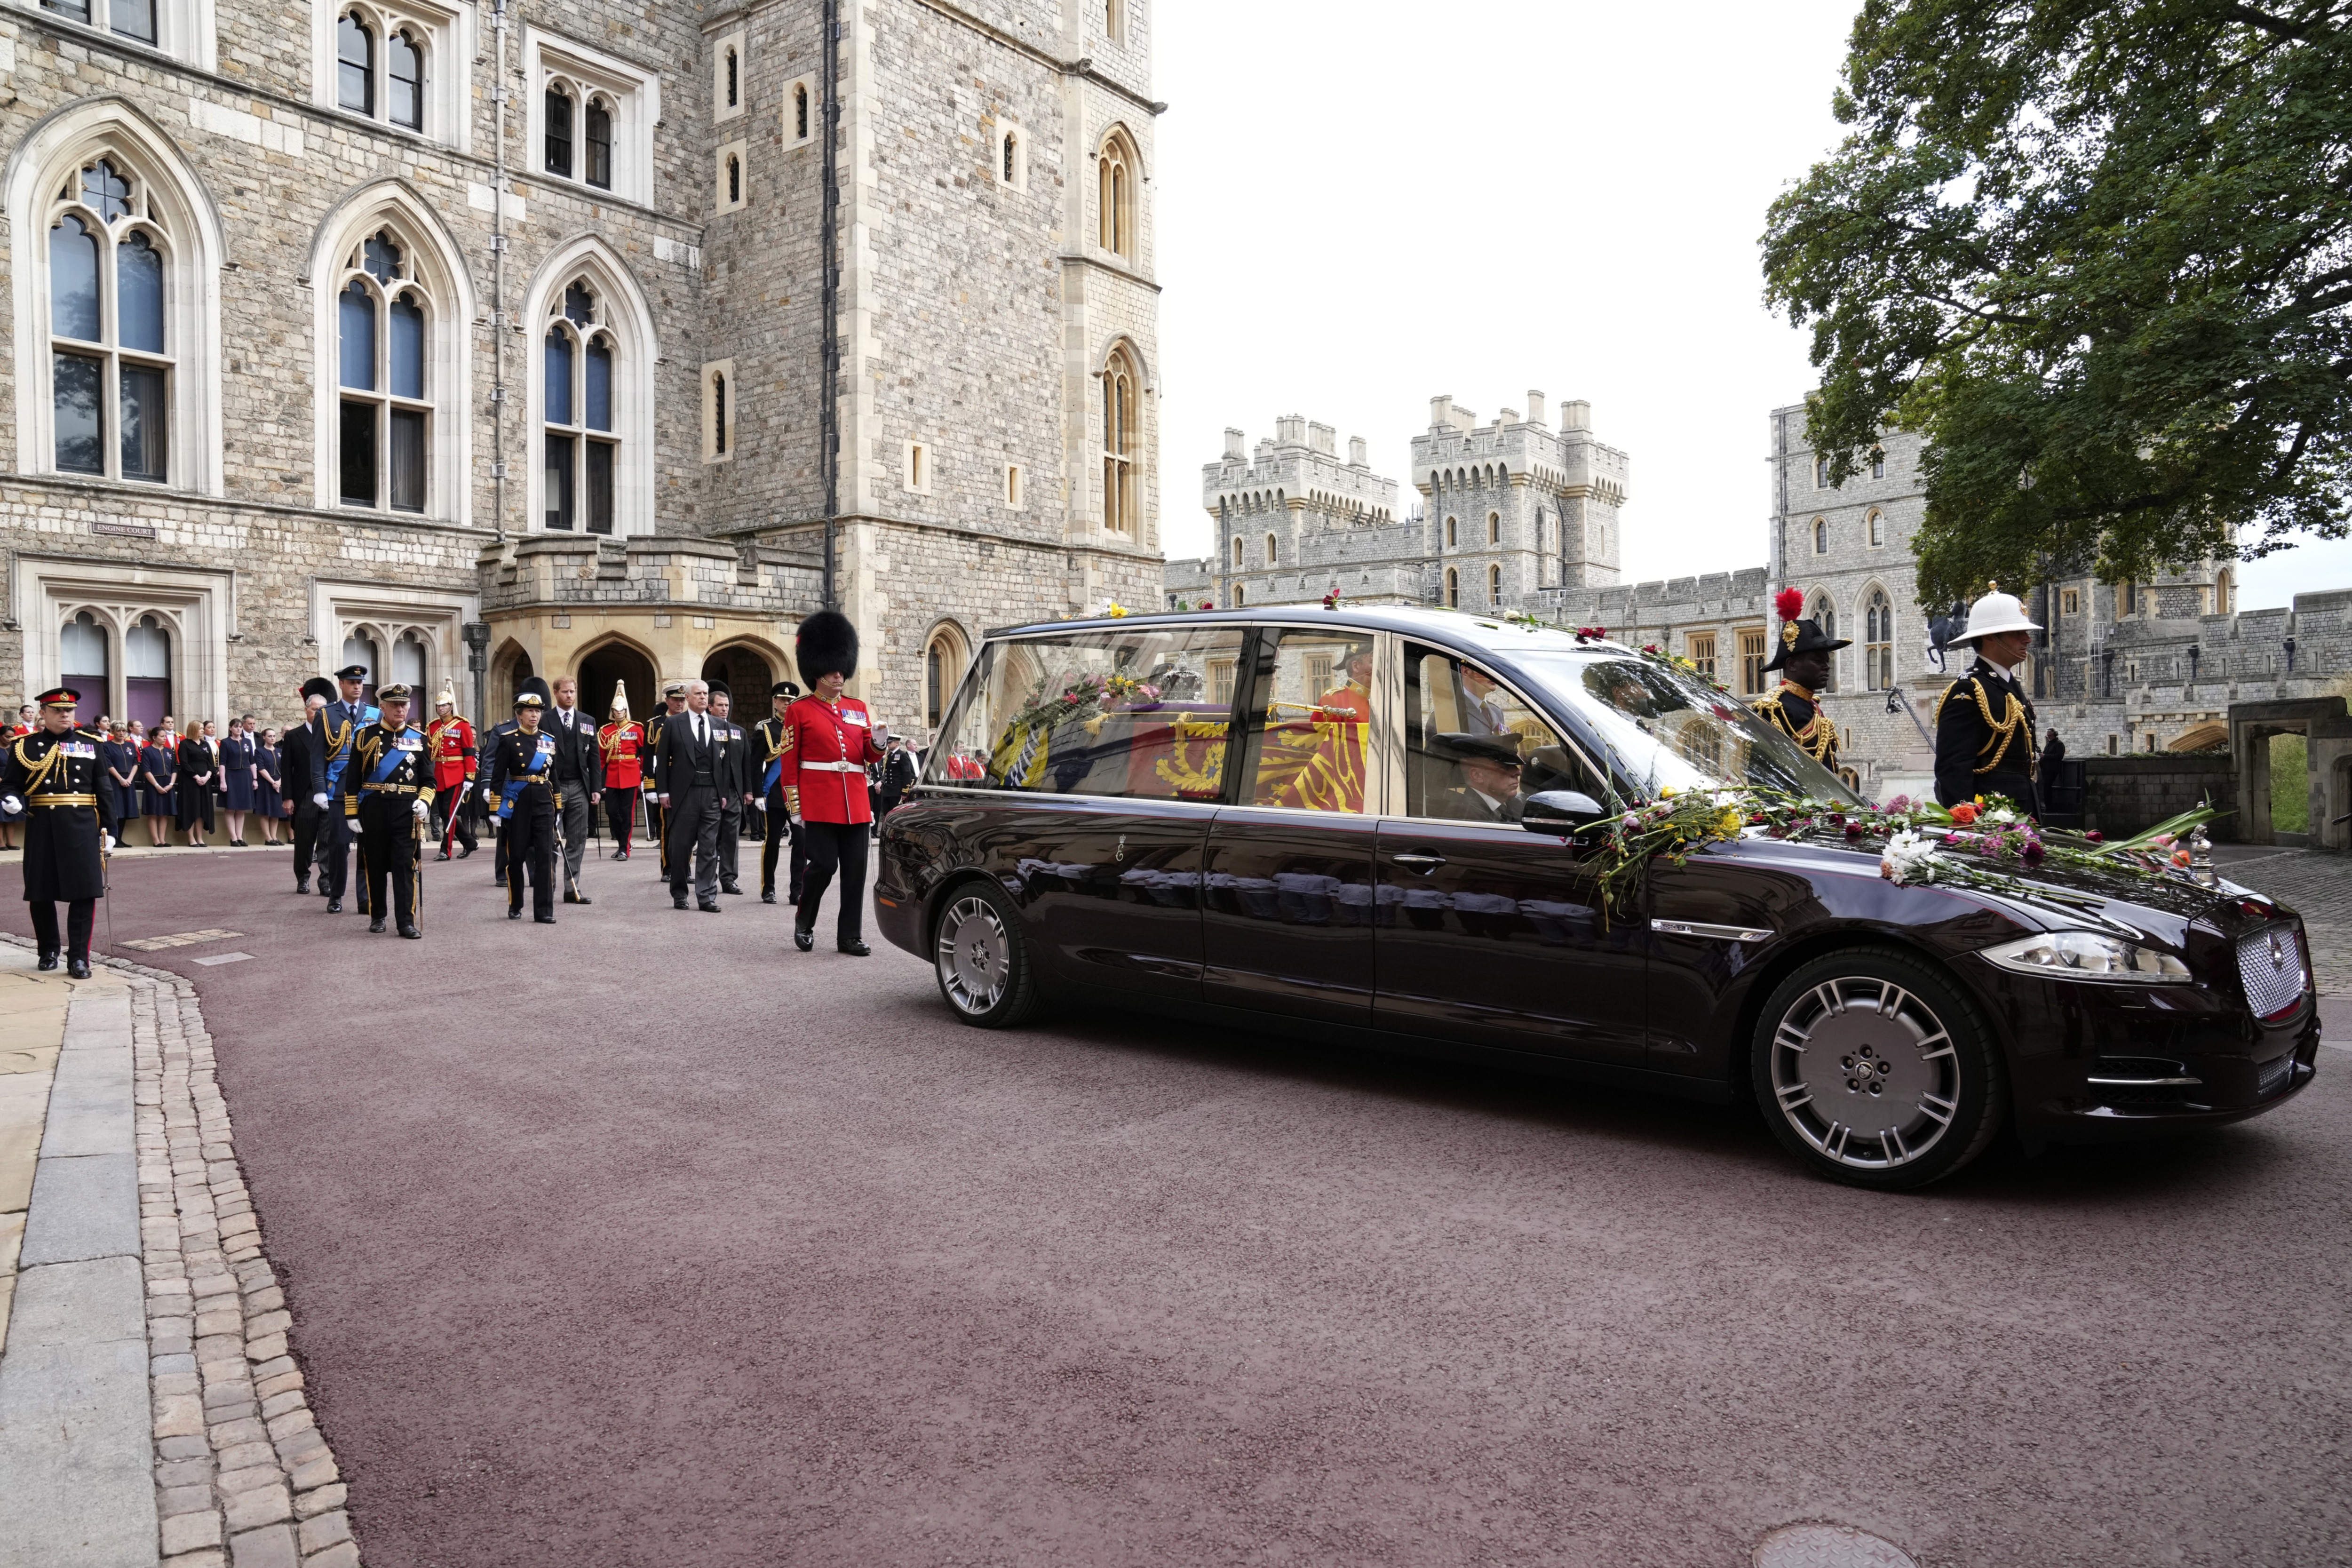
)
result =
(579, 779)
(303, 758)
(735, 789)
(1489, 791)
(691, 766)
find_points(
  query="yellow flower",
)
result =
(1729, 822)
(1667, 793)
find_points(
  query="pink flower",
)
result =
(2033, 852)
(2095, 836)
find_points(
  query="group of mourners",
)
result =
(187, 782)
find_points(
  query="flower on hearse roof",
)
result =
(1965, 813)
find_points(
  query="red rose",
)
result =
(1964, 813)
(2095, 836)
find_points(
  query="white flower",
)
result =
(2003, 814)
(1909, 857)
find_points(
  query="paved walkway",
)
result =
(646, 1241)
(149, 1410)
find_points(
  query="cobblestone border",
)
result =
(243, 1476)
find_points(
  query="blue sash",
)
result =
(515, 787)
(776, 775)
(389, 763)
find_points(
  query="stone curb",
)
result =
(242, 1475)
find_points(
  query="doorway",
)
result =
(748, 675)
(612, 665)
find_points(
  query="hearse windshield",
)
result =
(1663, 727)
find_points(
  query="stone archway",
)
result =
(747, 674)
(2327, 728)
(616, 664)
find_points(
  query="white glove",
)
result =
(489, 791)
(105, 843)
(11, 804)
(422, 809)
(318, 800)
(759, 802)
(358, 827)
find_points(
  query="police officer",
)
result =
(735, 788)
(1803, 661)
(829, 742)
(523, 784)
(455, 766)
(343, 718)
(50, 776)
(767, 755)
(1984, 722)
(387, 795)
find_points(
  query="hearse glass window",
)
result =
(1309, 736)
(1661, 726)
(1473, 750)
(1137, 715)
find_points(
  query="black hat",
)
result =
(352, 672)
(1805, 636)
(827, 645)
(59, 697)
(783, 689)
(721, 688)
(528, 699)
(318, 686)
(535, 691)
(394, 693)
(1501, 749)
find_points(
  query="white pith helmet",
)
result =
(1996, 612)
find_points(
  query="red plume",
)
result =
(1790, 603)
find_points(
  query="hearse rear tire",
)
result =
(981, 958)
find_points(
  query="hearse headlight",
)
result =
(2090, 955)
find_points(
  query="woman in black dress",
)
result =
(159, 770)
(236, 780)
(268, 788)
(197, 766)
(118, 773)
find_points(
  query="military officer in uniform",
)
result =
(657, 817)
(50, 776)
(829, 741)
(387, 796)
(767, 755)
(622, 744)
(735, 795)
(343, 718)
(1984, 722)
(523, 784)
(456, 765)
(1803, 662)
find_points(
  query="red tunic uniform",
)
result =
(451, 741)
(822, 764)
(624, 745)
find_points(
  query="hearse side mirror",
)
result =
(1562, 813)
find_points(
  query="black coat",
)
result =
(578, 760)
(513, 755)
(61, 850)
(302, 758)
(1985, 738)
(676, 758)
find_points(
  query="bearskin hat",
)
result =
(537, 687)
(827, 645)
(318, 686)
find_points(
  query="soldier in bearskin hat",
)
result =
(1802, 660)
(1984, 722)
(828, 742)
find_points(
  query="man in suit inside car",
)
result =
(1489, 790)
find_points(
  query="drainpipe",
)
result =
(829, 373)
(500, 92)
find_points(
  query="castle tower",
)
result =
(1514, 507)
(1293, 521)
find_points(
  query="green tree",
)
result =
(2096, 252)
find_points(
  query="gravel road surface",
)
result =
(645, 1240)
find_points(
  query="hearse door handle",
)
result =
(1420, 860)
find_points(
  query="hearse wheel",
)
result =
(1874, 1068)
(984, 968)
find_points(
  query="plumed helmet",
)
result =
(827, 645)
(318, 686)
(446, 697)
(619, 708)
(1996, 612)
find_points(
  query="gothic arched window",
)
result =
(734, 80)
(1878, 641)
(600, 144)
(1452, 589)
(1115, 197)
(579, 447)
(1449, 533)
(384, 433)
(1494, 586)
(354, 65)
(1272, 552)
(111, 338)
(1821, 536)
(1120, 424)
(131, 18)
(405, 80)
(558, 132)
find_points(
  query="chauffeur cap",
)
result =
(1501, 749)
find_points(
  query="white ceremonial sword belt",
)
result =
(833, 767)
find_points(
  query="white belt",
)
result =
(833, 767)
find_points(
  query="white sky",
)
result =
(1359, 207)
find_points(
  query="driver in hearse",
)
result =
(1489, 790)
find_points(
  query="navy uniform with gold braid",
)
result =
(1985, 738)
(390, 772)
(343, 717)
(1794, 710)
(522, 789)
(770, 738)
(54, 776)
